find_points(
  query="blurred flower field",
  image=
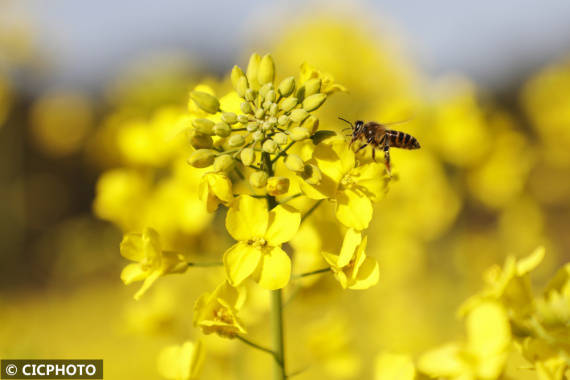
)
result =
(208, 192)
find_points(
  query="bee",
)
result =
(380, 137)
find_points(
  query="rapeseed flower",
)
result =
(217, 312)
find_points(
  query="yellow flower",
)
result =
(217, 312)
(181, 362)
(215, 188)
(328, 86)
(352, 268)
(391, 366)
(354, 188)
(150, 261)
(484, 354)
(260, 233)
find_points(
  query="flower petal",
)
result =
(137, 247)
(368, 274)
(275, 269)
(334, 158)
(352, 240)
(133, 272)
(154, 275)
(240, 261)
(247, 218)
(353, 210)
(283, 225)
(369, 180)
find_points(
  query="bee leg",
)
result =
(374, 154)
(387, 159)
(362, 147)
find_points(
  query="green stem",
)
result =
(290, 198)
(214, 264)
(284, 151)
(256, 346)
(318, 271)
(311, 210)
(279, 372)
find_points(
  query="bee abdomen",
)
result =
(402, 140)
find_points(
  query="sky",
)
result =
(494, 42)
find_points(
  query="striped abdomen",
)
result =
(402, 140)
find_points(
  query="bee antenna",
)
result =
(349, 123)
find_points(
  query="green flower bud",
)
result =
(266, 105)
(299, 133)
(266, 126)
(250, 94)
(258, 179)
(241, 87)
(266, 71)
(280, 138)
(270, 96)
(277, 185)
(252, 126)
(258, 136)
(269, 146)
(299, 115)
(312, 174)
(311, 123)
(236, 140)
(312, 86)
(287, 86)
(313, 102)
(288, 104)
(223, 162)
(222, 129)
(274, 109)
(283, 120)
(203, 126)
(242, 118)
(265, 89)
(259, 113)
(236, 75)
(245, 107)
(229, 117)
(294, 163)
(200, 141)
(252, 69)
(247, 156)
(202, 158)
(205, 101)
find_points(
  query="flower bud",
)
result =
(241, 87)
(258, 179)
(229, 117)
(312, 86)
(280, 138)
(269, 146)
(258, 136)
(312, 174)
(247, 156)
(203, 126)
(313, 102)
(252, 69)
(242, 118)
(223, 162)
(266, 71)
(236, 75)
(250, 94)
(266, 105)
(200, 141)
(299, 115)
(283, 120)
(311, 123)
(202, 158)
(294, 163)
(222, 129)
(277, 185)
(273, 109)
(265, 89)
(259, 113)
(252, 126)
(288, 104)
(270, 96)
(266, 126)
(299, 133)
(205, 101)
(287, 86)
(236, 140)
(245, 107)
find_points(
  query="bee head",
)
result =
(358, 126)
